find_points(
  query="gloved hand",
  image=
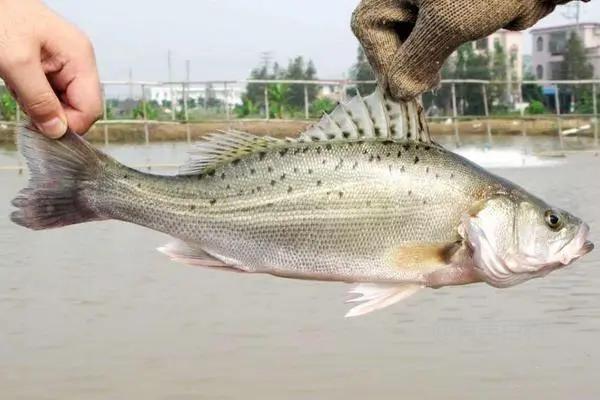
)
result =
(408, 41)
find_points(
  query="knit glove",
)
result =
(408, 41)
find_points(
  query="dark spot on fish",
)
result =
(319, 183)
(369, 203)
(290, 189)
(346, 134)
(236, 162)
(437, 176)
(390, 167)
(406, 146)
(139, 185)
(213, 202)
(262, 155)
(270, 169)
(424, 202)
(192, 207)
(211, 173)
(310, 171)
(315, 138)
(331, 136)
(273, 182)
(319, 149)
(371, 158)
(365, 151)
(295, 170)
(378, 157)
(328, 146)
(324, 162)
(402, 169)
(410, 192)
(341, 194)
(388, 107)
(296, 151)
(377, 131)
(417, 147)
(427, 147)
(241, 193)
(282, 177)
(223, 176)
(125, 176)
(228, 187)
(253, 191)
(416, 160)
(252, 171)
(452, 176)
(270, 204)
(399, 154)
(388, 154)
(304, 150)
(200, 177)
(258, 188)
(355, 165)
(427, 170)
(360, 142)
(283, 152)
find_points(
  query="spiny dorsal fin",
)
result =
(374, 117)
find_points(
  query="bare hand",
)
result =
(408, 41)
(50, 67)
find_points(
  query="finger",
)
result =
(37, 98)
(79, 86)
(440, 29)
(381, 26)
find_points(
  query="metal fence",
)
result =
(147, 103)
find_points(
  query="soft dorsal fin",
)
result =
(374, 117)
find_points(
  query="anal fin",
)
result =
(191, 253)
(374, 296)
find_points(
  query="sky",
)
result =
(223, 39)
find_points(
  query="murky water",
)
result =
(93, 312)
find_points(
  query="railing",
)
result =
(216, 100)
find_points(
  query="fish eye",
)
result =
(553, 220)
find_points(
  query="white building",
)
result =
(512, 43)
(549, 46)
(230, 94)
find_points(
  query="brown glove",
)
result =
(408, 41)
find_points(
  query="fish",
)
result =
(365, 197)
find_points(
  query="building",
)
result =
(549, 46)
(512, 43)
(230, 95)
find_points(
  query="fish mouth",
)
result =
(579, 246)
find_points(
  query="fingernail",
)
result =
(55, 128)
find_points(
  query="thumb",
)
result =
(37, 98)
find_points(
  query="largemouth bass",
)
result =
(364, 197)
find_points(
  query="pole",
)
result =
(145, 115)
(105, 115)
(186, 94)
(558, 119)
(595, 105)
(226, 93)
(206, 97)
(455, 115)
(306, 109)
(487, 113)
(267, 111)
(173, 100)
(130, 83)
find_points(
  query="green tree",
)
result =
(8, 107)
(299, 70)
(279, 99)
(152, 110)
(362, 71)
(321, 106)
(576, 66)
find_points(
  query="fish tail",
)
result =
(60, 172)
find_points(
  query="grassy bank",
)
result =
(134, 133)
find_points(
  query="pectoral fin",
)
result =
(374, 297)
(428, 256)
(190, 254)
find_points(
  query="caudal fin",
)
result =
(60, 172)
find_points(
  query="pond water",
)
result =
(94, 312)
